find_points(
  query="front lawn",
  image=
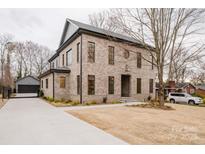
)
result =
(136, 125)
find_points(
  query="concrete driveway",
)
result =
(32, 121)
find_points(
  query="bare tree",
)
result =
(104, 20)
(30, 58)
(162, 32)
(5, 40)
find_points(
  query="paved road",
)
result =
(32, 121)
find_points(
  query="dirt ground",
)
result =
(184, 125)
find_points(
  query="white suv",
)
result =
(183, 98)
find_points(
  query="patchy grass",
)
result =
(138, 125)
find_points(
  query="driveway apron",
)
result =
(33, 121)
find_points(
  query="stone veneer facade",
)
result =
(101, 69)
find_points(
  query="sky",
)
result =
(43, 26)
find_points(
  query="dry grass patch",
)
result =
(136, 125)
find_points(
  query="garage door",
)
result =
(28, 88)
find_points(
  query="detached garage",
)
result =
(28, 84)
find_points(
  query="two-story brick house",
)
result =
(105, 65)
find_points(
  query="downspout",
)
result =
(53, 87)
(81, 71)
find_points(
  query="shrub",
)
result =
(50, 99)
(74, 103)
(57, 100)
(40, 93)
(91, 103)
(68, 101)
(116, 102)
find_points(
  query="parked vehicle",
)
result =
(175, 97)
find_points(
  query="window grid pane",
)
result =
(62, 82)
(151, 85)
(111, 55)
(91, 84)
(111, 85)
(138, 85)
(139, 60)
(78, 84)
(91, 52)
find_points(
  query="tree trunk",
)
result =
(161, 86)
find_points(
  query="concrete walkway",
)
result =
(32, 121)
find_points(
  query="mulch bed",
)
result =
(153, 106)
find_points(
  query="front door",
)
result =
(125, 85)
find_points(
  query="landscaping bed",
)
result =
(68, 103)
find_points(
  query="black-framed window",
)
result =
(78, 52)
(78, 84)
(111, 54)
(111, 84)
(139, 60)
(152, 60)
(47, 83)
(151, 85)
(139, 85)
(69, 57)
(91, 52)
(41, 83)
(63, 62)
(91, 84)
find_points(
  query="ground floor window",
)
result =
(46, 83)
(139, 85)
(62, 82)
(151, 85)
(111, 84)
(91, 84)
(78, 84)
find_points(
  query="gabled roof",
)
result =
(201, 86)
(27, 77)
(177, 85)
(102, 31)
(73, 28)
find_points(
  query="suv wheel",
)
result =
(172, 101)
(191, 102)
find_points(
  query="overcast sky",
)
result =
(43, 26)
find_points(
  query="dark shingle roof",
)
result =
(102, 31)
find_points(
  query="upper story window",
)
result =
(63, 62)
(152, 62)
(91, 52)
(52, 64)
(91, 84)
(69, 57)
(46, 83)
(62, 82)
(78, 52)
(126, 54)
(139, 60)
(57, 63)
(111, 55)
